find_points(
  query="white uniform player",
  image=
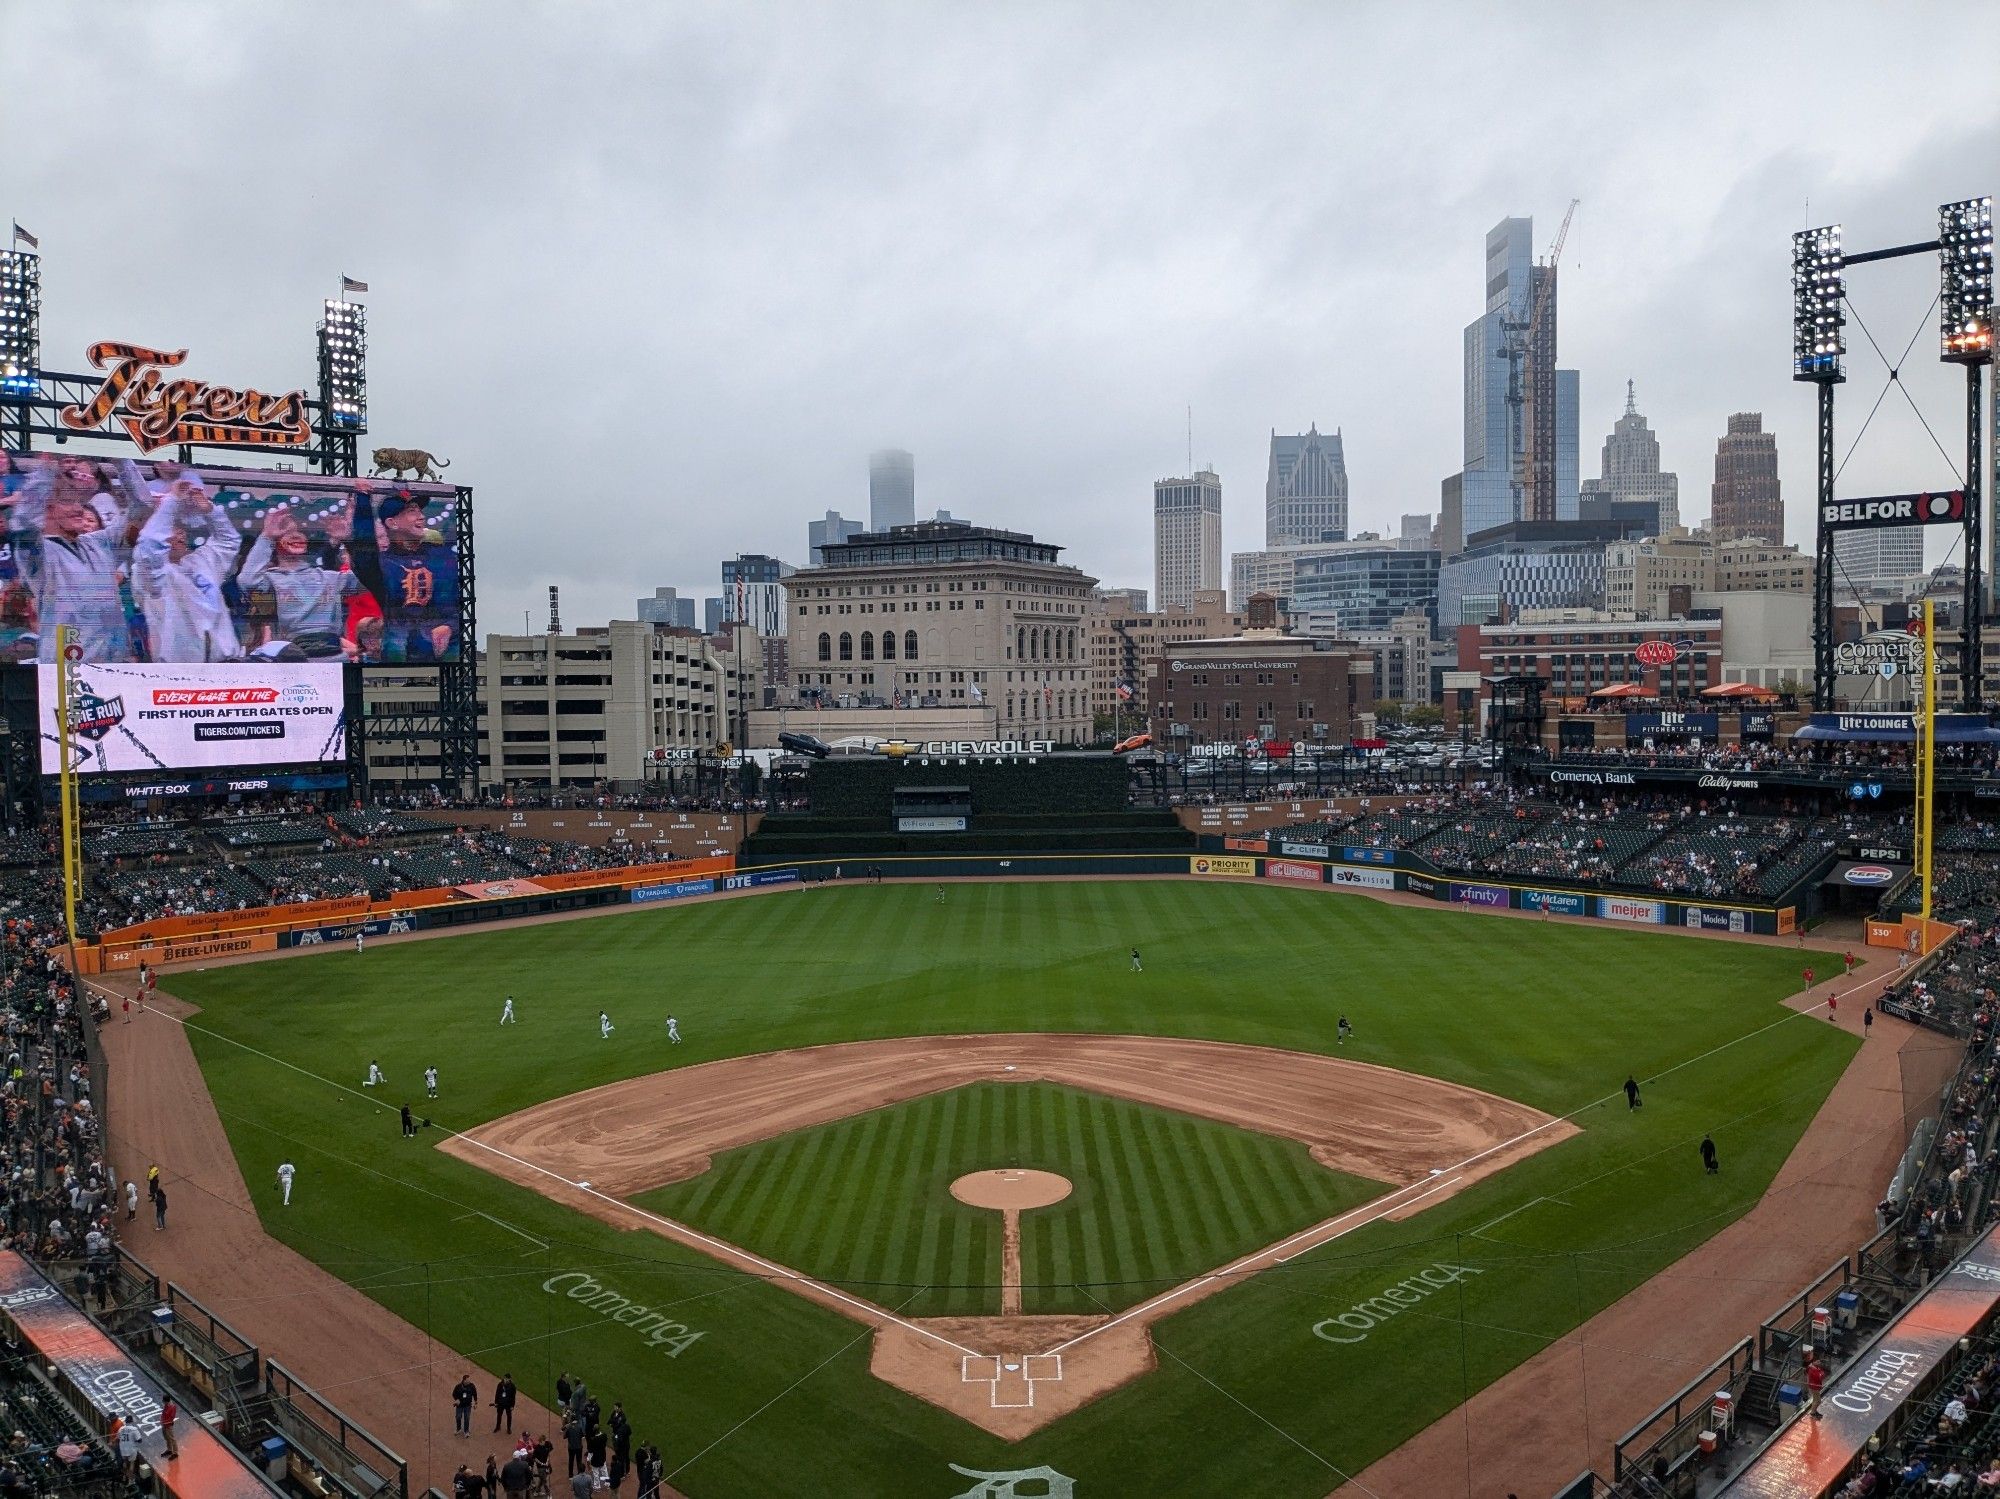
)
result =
(375, 1079)
(430, 1082)
(603, 1025)
(286, 1171)
(507, 1011)
(360, 938)
(673, 1030)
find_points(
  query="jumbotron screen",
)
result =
(128, 716)
(160, 561)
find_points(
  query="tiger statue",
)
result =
(418, 461)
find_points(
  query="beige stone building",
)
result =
(1751, 565)
(1121, 640)
(1640, 575)
(950, 615)
(596, 704)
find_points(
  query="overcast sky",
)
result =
(656, 278)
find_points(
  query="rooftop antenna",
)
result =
(1631, 401)
(1190, 467)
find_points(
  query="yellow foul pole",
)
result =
(72, 832)
(1926, 769)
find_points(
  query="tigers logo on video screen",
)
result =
(155, 413)
(92, 717)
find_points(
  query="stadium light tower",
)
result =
(1819, 288)
(20, 323)
(1819, 284)
(1965, 271)
(343, 361)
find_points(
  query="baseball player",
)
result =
(507, 1011)
(360, 938)
(604, 1026)
(286, 1171)
(1136, 968)
(1344, 1031)
(375, 1079)
(430, 1082)
(673, 1030)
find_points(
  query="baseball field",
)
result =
(936, 1189)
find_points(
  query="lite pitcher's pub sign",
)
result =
(159, 413)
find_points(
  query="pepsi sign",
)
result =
(1870, 874)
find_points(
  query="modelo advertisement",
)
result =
(161, 561)
(1360, 879)
(1555, 902)
(1708, 919)
(125, 717)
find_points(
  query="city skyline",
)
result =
(1033, 322)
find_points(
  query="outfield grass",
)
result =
(775, 1396)
(1156, 1198)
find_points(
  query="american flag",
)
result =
(1124, 691)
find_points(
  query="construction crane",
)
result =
(1518, 337)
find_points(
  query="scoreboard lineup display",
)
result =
(1034, 784)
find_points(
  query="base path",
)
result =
(386, 1374)
(1011, 1374)
(1534, 1429)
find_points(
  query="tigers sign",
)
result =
(156, 412)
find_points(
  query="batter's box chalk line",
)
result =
(1011, 1377)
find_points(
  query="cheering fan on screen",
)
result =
(178, 567)
(71, 528)
(309, 600)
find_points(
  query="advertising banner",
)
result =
(678, 890)
(1810, 1456)
(1481, 895)
(1620, 908)
(225, 566)
(1788, 917)
(1755, 724)
(757, 879)
(112, 791)
(1234, 868)
(1297, 874)
(1709, 919)
(334, 936)
(1555, 902)
(1306, 850)
(1246, 845)
(168, 718)
(1360, 879)
(499, 889)
(1418, 884)
(1671, 725)
(190, 950)
(930, 824)
(1369, 855)
(99, 1374)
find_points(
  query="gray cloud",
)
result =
(657, 278)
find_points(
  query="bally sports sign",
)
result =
(1938, 509)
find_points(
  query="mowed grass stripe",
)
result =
(866, 1201)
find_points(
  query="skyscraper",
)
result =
(1745, 500)
(1867, 560)
(1496, 489)
(834, 527)
(892, 489)
(1305, 492)
(753, 590)
(1632, 469)
(1187, 538)
(667, 607)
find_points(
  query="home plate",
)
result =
(1012, 1368)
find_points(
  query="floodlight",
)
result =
(20, 323)
(343, 354)
(1965, 269)
(1818, 290)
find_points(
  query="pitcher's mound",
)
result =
(1010, 1188)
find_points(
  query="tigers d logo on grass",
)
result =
(1048, 1484)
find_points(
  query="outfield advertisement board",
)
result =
(1360, 879)
(1555, 902)
(756, 879)
(1234, 868)
(1306, 850)
(1423, 885)
(1481, 895)
(167, 718)
(676, 890)
(325, 936)
(1297, 874)
(1369, 855)
(1710, 919)
(1621, 908)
